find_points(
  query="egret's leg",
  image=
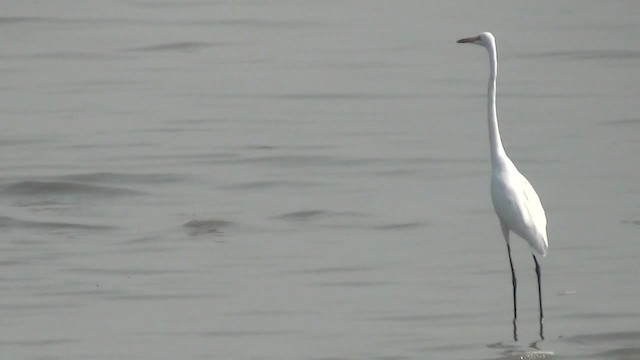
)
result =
(515, 307)
(514, 282)
(539, 295)
(505, 232)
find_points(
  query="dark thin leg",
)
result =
(505, 233)
(539, 295)
(515, 285)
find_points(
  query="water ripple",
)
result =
(607, 337)
(37, 188)
(305, 160)
(8, 222)
(271, 184)
(311, 215)
(324, 96)
(334, 270)
(243, 333)
(35, 342)
(110, 177)
(208, 226)
(622, 122)
(398, 226)
(183, 46)
(248, 22)
(590, 54)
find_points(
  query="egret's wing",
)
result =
(533, 204)
(519, 207)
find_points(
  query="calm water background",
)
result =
(309, 179)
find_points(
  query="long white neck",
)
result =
(498, 155)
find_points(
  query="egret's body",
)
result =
(515, 201)
(518, 207)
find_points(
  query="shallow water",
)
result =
(309, 180)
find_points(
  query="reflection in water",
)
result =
(512, 352)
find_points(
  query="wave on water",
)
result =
(624, 54)
(621, 345)
(209, 226)
(622, 122)
(606, 337)
(8, 222)
(109, 177)
(271, 184)
(306, 160)
(620, 354)
(311, 215)
(38, 188)
(346, 220)
(631, 222)
(398, 226)
(185, 46)
(31, 343)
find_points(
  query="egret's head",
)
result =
(485, 39)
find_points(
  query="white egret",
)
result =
(515, 201)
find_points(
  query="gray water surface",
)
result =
(309, 179)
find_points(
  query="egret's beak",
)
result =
(469, 40)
